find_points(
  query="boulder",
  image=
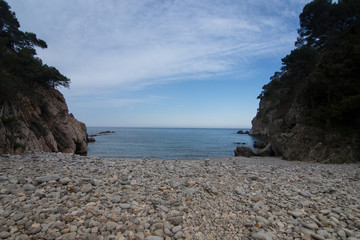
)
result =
(259, 144)
(244, 152)
(266, 151)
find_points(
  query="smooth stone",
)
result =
(29, 187)
(4, 235)
(115, 199)
(341, 233)
(175, 220)
(53, 177)
(317, 237)
(261, 236)
(296, 214)
(310, 225)
(65, 180)
(179, 235)
(154, 238)
(85, 188)
(176, 229)
(18, 216)
(3, 178)
(306, 231)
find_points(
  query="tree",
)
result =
(9, 28)
(17, 52)
(322, 20)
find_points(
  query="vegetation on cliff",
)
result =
(33, 114)
(19, 66)
(319, 79)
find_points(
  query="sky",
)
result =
(163, 63)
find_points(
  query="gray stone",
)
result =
(261, 236)
(65, 180)
(296, 214)
(317, 236)
(3, 178)
(125, 206)
(110, 226)
(4, 235)
(175, 220)
(115, 199)
(176, 229)
(154, 238)
(18, 216)
(53, 177)
(85, 188)
(29, 187)
(179, 235)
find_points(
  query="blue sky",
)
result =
(163, 63)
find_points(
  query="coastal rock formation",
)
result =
(310, 110)
(40, 121)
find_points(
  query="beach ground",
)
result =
(66, 196)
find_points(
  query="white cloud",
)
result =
(127, 44)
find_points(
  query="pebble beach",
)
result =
(66, 196)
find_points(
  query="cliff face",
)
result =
(293, 139)
(310, 110)
(40, 121)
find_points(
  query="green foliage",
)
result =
(17, 55)
(322, 72)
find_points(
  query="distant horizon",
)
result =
(239, 128)
(163, 63)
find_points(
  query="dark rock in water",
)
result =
(91, 139)
(106, 132)
(242, 132)
(244, 151)
(240, 143)
(266, 151)
(259, 144)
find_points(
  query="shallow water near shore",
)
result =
(167, 143)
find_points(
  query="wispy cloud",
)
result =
(127, 44)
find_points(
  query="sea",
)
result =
(167, 143)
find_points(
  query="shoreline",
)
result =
(67, 196)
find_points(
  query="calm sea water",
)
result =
(167, 143)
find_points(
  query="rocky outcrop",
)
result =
(282, 123)
(40, 120)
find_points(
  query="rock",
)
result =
(18, 216)
(49, 127)
(296, 214)
(211, 189)
(244, 152)
(266, 151)
(317, 237)
(115, 199)
(91, 139)
(65, 180)
(3, 178)
(85, 188)
(4, 235)
(154, 238)
(259, 144)
(29, 187)
(110, 226)
(175, 220)
(53, 177)
(261, 236)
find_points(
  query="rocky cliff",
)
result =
(310, 110)
(41, 121)
(33, 114)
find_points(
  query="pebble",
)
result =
(66, 196)
(296, 214)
